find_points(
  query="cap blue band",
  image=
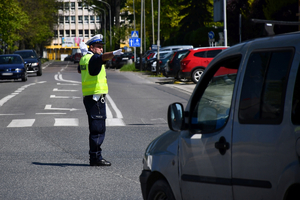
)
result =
(94, 41)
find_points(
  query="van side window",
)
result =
(264, 87)
(296, 100)
(211, 111)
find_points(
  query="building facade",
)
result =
(76, 22)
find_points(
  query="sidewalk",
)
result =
(187, 87)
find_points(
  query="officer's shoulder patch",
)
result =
(82, 67)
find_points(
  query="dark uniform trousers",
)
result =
(96, 112)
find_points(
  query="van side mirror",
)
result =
(175, 116)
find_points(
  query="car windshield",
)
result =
(26, 54)
(10, 60)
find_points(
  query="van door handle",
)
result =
(222, 145)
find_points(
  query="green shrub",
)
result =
(128, 67)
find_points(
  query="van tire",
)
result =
(160, 190)
(197, 73)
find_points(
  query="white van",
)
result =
(239, 136)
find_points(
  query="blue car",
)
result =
(12, 66)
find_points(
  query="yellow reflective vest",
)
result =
(92, 84)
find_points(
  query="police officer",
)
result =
(94, 89)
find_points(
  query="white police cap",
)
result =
(96, 39)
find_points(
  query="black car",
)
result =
(123, 59)
(33, 61)
(12, 66)
(173, 66)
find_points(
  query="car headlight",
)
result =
(34, 64)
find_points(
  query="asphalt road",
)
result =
(44, 134)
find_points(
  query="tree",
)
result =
(13, 20)
(42, 20)
(196, 14)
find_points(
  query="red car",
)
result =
(196, 60)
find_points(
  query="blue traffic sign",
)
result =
(134, 34)
(211, 34)
(134, 42)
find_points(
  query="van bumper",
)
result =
(143, 180)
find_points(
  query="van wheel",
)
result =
(161, 190)
(196, 75)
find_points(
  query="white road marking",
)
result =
(67, 84)
(49, 107)
(57, 90)
(63, 97)
(66, 122)
(21, 123)
(118, 112)
(12, 114)
(50, 113)
(114, 122)
(5, 99)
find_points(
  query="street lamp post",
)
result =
(158, 38)
(94, 7)
(225, 23)
(104, 27)
(109, 22)
(141, 47)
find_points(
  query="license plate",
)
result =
(124, 58)
(7, 74)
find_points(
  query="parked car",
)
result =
(124, 59)
(147, 55)
(176, 47)
(33, 61)
(77, 57)
(173, 65)
(196, 60)
(68, 58)
(239, 136)
(12, 66)
(153, 59)
(162, 62)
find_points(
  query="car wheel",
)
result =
(161, 190)
(39, 73)
(24, 78)
(196, 75)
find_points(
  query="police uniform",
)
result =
(94, 89)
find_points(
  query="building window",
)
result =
(73, 19)
(86, 7)
(55, 34)
(67, 33)
(67, 19)
(80, 33)
(72, 5)
(61, 33)
(86, 19)
(92, 32)
(86, 33)
(73, 33)
(61, 19)
(97, 19)
(92, 19)
(79, 5)
(61, 6)
(67, 6)
(80, 19)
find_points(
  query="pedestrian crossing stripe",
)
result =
(18, 123)
(21, 123)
